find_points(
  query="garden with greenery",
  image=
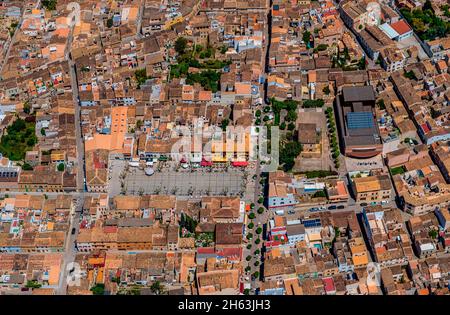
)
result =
(20, 137)
(425, 23)
(188, 224)
(343, 61)
(141, 76)
(198, 57)
(398, 170)
(289, 148)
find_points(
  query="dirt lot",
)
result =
(316, 116)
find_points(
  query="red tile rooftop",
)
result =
(401, 27)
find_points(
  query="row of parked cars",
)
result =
(322, 208)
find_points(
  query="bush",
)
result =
(251, 225)
(98, 289)
(259, 230)
(283, 126)
(313, 103)
(257, 241)
(320, 174)
(248, 258)
(257, 252)
(249, 236)
(249, 246)
(256, 263)
(61, 167)
(251, 216)
(261, 199)
(260, 210)
(319, 194)
(291, 126)
(27, 167)
(258, 113)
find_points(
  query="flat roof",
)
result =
(358, 93)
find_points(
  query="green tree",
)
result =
(180, 45)
(307, 38)
(224, 124)
(27, 167)
(26, 107)
(49, 4)
(433, 233)
(98, 289)
(291, 116)
(109, 23)
(61, 167)
(157, 288)
(19, 138)
(141, 76)
(288, 153)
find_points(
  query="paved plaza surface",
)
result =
(198, 182)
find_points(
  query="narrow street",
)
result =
(254, 248)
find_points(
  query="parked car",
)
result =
(363, 204)
(332, 207)
(291, 212)
(341, 207)
(73, 231)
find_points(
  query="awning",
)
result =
(239, 164)
(205, 163)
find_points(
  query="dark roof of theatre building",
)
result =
(358, 93)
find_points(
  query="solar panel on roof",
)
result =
(357, 120)
(312, 223)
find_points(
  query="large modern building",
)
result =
(359, 136)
